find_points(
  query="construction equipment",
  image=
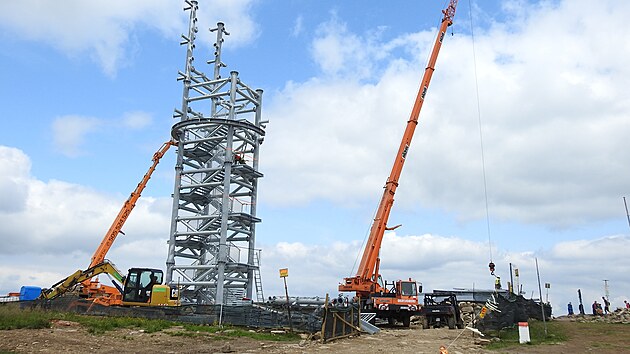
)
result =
(141, 286)
(400, 300)
(441, 309)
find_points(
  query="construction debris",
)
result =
(617, 316)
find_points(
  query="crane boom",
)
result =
(366, 279)
(108, 240)
(91, 285)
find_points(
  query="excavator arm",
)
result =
(80, 276)
(366, 279)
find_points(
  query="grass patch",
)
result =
(227, 332)
(510, 337)
(99, 325)
(12, 317)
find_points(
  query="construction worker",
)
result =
(606, 305)
(149, 288)
(497, 283)
(238, 159)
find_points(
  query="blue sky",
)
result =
(88, 92)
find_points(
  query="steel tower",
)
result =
(212, 254)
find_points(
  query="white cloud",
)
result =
(236, 15)
(104, 29)
(298, 26)
(137, 120)
(69, 133)
(340, 53)
(553, 112)
(451, 262)
(64, 221)
(15, 167)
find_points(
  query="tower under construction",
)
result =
(211, 254)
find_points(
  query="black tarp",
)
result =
(512, 310)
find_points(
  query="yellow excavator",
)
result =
(140, 287)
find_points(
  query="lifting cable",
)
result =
(364, 242)
(483, 160)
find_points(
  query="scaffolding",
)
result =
(211, 254)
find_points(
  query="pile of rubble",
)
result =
(470, 311)
(617, 316)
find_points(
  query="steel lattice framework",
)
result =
(212, 254)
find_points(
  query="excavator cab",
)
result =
(143, 287)
(139, 284)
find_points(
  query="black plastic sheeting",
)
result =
(513, 309)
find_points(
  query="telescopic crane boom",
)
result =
(91, 286)
(141, 286)
(116, 227)
(366, 282)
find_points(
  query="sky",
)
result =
(521, 154)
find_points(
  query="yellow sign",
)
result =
(284, 272)
(484, 310)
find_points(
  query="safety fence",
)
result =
(340, 319)
(248, 315)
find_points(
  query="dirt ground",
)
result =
(71, 338)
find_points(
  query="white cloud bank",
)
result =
(104, 29)
(69, 132)
(50, 229)
(554, 113)
(450, 262)
(53, 227)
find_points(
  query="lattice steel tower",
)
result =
(212, 253)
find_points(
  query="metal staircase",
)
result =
(212, 253)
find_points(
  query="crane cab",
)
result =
(408, 288)
(397, 303)
(143, 287)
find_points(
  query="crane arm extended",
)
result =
(366, 279)
(123, 214)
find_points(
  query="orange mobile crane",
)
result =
(400, 301)
(142, 286)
